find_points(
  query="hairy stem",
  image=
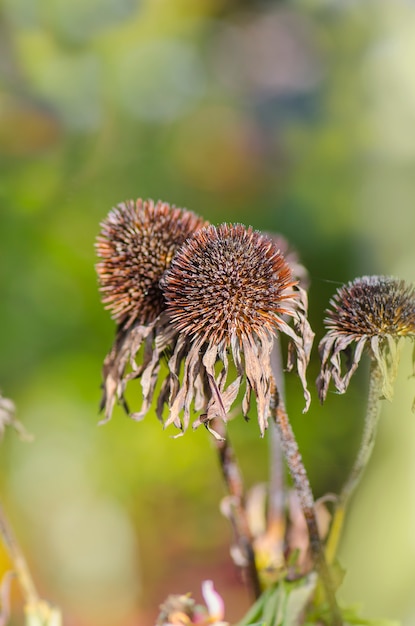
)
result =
(367, 443)
(276, 481)
(303, 488)
(276, 488)
(234, 484)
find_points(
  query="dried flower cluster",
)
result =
(372, 312)
(207, 304)
(201, 295)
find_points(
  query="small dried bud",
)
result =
(375, 312)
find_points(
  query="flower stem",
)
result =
(363, 456)
(19, 562)
(302, 485)
(234, 483)
(37, 611)
(276, 474)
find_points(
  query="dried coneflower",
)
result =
(373, 314)
(225, 295)
(228, 291)
(136, 244)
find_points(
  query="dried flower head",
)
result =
(137, 243)
(227, 292)
(373, 312)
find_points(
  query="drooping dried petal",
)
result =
(227, 291)
(372, 312)
(136, 245)
(121, 366)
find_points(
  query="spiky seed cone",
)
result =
(373, 306)
(373, 312)
(227, 282)
(137, 243)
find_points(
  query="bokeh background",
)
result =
(291, 116)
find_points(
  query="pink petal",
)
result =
(213, 600)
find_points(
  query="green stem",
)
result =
(364, 454)
(303, 488)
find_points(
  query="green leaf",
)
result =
(285, 603)
(297, 601)
(282, 604)
(256, 610)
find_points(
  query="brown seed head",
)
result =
(373, 306)
(374, 313)
(137, 243)
(225, 282)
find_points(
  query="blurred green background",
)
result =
(296, 117)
